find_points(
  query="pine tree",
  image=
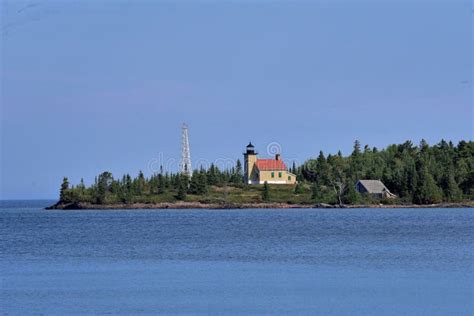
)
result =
(351, 196)
(237, 174)
(427, 192)
(81, 188)
(322, 174)
(81, 185)
(212, 177)
(417, 174)
(453, 192)
(314, 191)
(182, 187)
(198, 184)
(356, 151)
(63, 191)
(176, 181)
(266, 192)
(356, 164)
(126, 194)
(202, 184)
(140, 183)
(103, 186)
(238, 168)
(194, 184)
(161, 184)
(298, 188)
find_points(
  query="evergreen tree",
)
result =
(237, 175)
(176, 180)
(114, 187)
(351, 196)
(194, 184)
(81, 190)
(161, 184)
(356, 166)
(424, 147)
(453, 192)
(309, 171)
(427, 192)
(315, 191)
(266, 192)
(299, 188)
(103, 187)
(238, 168)
(356, 151)
(140, 184)
(63, 191)
(212, 176)
(125, 194)
(202, 184)
(416, 174)
(81, 185)
(182, 187)
(322, 174)
(198, 184)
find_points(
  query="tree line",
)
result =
(106, 189)
(420, 174)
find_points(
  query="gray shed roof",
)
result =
(374, 186)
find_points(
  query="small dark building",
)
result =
(375, 188)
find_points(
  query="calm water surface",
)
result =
(327, 262)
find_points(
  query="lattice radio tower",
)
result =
(185, 166)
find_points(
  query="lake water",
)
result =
(309, 261)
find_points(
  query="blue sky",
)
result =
(89, 86)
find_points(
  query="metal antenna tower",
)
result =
(185, 166)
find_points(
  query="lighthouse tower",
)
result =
(250, 158)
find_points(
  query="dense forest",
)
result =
(420, 174)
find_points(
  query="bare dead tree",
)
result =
(339, 188)
(338, 179)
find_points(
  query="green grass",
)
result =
(231, 194)
(252, 194)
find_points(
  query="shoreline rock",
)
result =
(198, 205)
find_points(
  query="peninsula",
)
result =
(402, 175)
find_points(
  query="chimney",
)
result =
(277, 157)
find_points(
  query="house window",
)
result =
(279, 174)
(289, 178)
(273, 174)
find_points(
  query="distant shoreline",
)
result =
(197, 205)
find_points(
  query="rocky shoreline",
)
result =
(198, 205)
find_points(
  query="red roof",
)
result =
(270, 164)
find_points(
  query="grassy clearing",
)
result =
(230, 194)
